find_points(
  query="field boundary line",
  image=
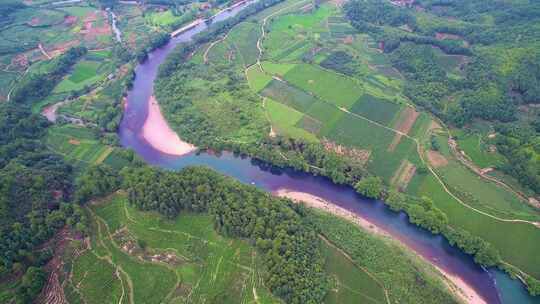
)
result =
(350, 259)
(445, 188)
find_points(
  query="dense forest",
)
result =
(502, 73)
(290, 246)
(35, 190)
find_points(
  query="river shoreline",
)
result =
(160, 136)
(455, 284)
(434, 248)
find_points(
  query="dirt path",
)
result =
(205, 55)
(263, 33)
(483, 172)
(44, 52)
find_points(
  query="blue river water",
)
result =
(492, 285)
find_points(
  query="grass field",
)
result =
(284, 120)
(329, 86)
(257, 79)
(476, 149)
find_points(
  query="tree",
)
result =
(31, 284)
(370, 187)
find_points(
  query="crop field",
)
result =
(35, 34)
(376, 109)
(85, 74)
(285, 119)
(279, 69)
(77, 144)
(332, 87)
(257, 79)
(244, 37)
(288, 95)
(180, 260)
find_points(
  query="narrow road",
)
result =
(43, 51)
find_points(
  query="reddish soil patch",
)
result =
(307, 8)
(348, 40)
(20, 61)
(74, 142)
(70, 20)
(61, 48)
(406, 120)
(89, 31)
(338, 3)
(53, 292)
(443, 36)
(34, 22)
(436, 159)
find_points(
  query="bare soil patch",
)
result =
(128, 244)
(53, 292)
(61, 48)
(436, 159)
(443, 36)
(338, 3)
(348, 40)
(70, 20)
(404, 123)
(74, 142)
(403, 175)
(434, 126)
(357, 155)
(406, 120)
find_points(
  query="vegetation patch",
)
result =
(376, 109)
(338, 89)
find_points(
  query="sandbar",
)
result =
(160, 136)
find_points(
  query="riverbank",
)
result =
(160, 136)
(458, 287)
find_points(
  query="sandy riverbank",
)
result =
(160, 136)
(460, 288)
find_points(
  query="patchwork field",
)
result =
(80, 146)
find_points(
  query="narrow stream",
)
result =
(492, 285)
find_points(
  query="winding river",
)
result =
(492, 285)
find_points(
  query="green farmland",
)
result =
(143, 257)
(81, 147)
